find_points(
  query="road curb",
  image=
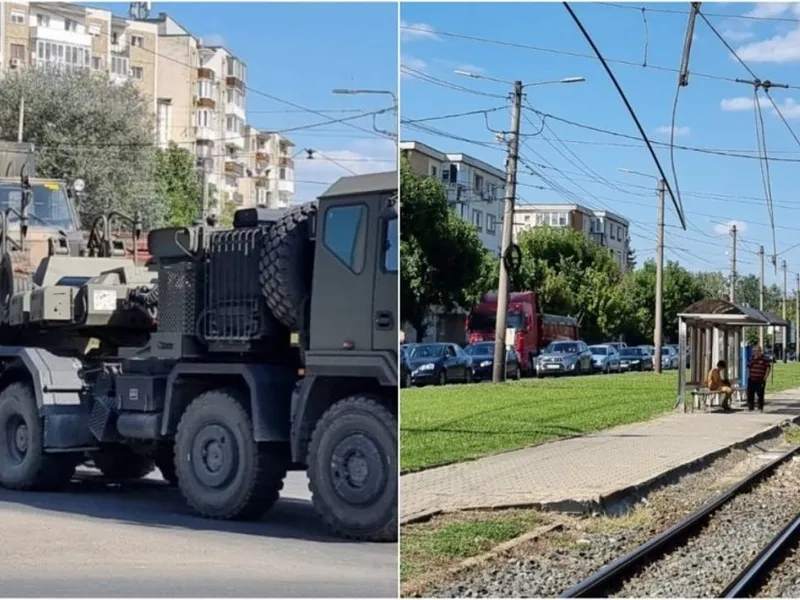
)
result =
(618, 502)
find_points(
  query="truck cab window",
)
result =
(345, 233)
(49, 207)
(391, 248)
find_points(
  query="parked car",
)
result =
(564, 357)
(669, 357)
(616, 345)
(482, 355)
(605, 358)
(439, 363)
(635, 359)
(405, 368)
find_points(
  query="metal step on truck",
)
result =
(187, 364)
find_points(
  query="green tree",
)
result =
(85, 126)
(712, 283)
(176, 183)
(442, 260)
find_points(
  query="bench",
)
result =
(703, 398)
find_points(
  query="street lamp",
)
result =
(348, 91)
(658, 335)
(498, 371)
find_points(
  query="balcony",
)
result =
(205, 73)
(262, 157)
(598, 238)
(62, 36)
(234, 167)
(205, 134)
(285, 161)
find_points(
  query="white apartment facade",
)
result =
(475, 189)
(604, 228)
(269, 169)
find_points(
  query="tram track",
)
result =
(749, 529)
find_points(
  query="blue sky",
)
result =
(711, 113)
(294, 52)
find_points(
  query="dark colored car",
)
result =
(635, 359)
(439, 363)
(482, 355)
(564, 358)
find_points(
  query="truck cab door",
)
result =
(385, 321)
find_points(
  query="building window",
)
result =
(57, 54)
(345, 236)
(205, 89)
(18, 51)
(137, 41)
(17, 18)
(527, 218)
(491, 223)
(434, 171)
(477, 219)
(97, 63)
(163, 118)
(619, 233)
(114, 37)
(282, 173)
(70, 25)
(94, 30)
(204, 118)
(137, 72)
(611, 231)
(119, 66)
(42, 20)
(478, 183)
(235, 97)
(541, 218)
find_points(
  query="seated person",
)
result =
(716, 383)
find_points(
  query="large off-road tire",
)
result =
(24, 465)
(223, 473)
(120, 462)
(287, 261)
(352, 470)
(10, 284)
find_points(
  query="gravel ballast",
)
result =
(546, 567)
(784, 581)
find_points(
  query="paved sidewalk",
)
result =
(582, 470)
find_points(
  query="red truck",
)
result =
(534, 330)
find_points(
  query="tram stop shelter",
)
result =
(713, 330)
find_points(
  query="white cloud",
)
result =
(458, 66)
(679, 131)
(741, 103)
(738, 36)
(724, 228)
(363, 156)
(769, 10)
(213, 39)
(777, 49)
(417, 31)
(417, 64)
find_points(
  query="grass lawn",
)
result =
(458, 422)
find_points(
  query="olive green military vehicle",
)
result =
(188, 364)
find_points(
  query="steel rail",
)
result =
(611, 576)
(753, 577)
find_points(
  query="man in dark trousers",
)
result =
(757, 372)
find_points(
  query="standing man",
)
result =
(757, 372)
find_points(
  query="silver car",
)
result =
(605, 358)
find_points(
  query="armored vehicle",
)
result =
(188, 363)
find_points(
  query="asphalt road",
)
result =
(138, 540)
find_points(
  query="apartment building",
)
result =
(269, 169)
(602, 227)
(475, 189)
(69, 36)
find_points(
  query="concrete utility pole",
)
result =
(733, 264)
(499, 366)
(797, 318)
(761, 294)
(21, 124)
(658, 337)
(785, 290)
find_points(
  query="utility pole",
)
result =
(733, 265)
(21, 124)
(499, 367)
(794, 328)
(761, 295)
(785, 290)
(658, 337)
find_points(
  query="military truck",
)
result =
(187, 363)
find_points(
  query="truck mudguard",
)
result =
(270, 388)
(56, 379)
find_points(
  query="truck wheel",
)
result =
(24, 465)
(287, 259)
(352, 470)
(120, 462)
(223, 473)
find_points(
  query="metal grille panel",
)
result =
(177, 289)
